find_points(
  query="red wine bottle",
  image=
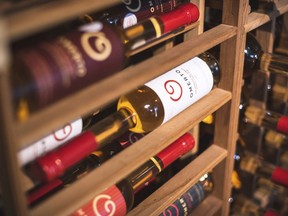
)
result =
(265, 118)
(192, 198)
(94, 160)
(50, 70)
(140, 111)
(131, 12)
(255, 166)
(120, 197)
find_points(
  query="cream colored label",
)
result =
(182, 86)
(50, 142)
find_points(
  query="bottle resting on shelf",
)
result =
(51, 70)
(61, 136)
(129, 13)
(120, 197)
(140, 111)
(94, 160)
(265, 118)
(192, 198)
(255, 166)
(256, 58)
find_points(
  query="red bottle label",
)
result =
(73, 61)
(282, 125)
(110, 202)
(280, 176)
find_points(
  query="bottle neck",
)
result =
(113, 126)
(274, 63)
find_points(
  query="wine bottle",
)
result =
(140, 111)
(192, 198)
(244, 206)
(255, 166)
(119, 200)
(129, 13)
(94, 160)
(51, 70)
(265, 118)
(274, 147)
(62, 135)
(256, 58)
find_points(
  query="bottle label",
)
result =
(67, 64)
(182, 86)
(110, 202)
(187, 202)
(144, 9)
(50, 142)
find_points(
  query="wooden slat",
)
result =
(256, 19)
(93, 97)
(208, 207)
(35, 19)
(10, 181)
(122, 164)
(180, 183)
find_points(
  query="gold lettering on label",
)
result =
(75, 55)
(103, 47)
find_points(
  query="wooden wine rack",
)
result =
(223, 101)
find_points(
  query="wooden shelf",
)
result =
(256, 19)
(35, 19)
(180, 183)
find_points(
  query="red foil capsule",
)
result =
(183, 15)
(280, 176)
(176, 149)
(282, 125)
(53, 164)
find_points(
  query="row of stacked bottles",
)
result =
(47, 70)
(260, 175)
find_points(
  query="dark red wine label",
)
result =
(282, 125)
(110, 202)
(187, 202)
(73, 61)
(54, 164)
(181, 146)
(280, 176)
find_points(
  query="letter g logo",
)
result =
(99, 49)
(173, 88)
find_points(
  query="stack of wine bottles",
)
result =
(260, 177)
(60, 66)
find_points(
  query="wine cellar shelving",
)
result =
(223, 101)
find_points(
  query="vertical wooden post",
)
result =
(11, 184)
(234, 13)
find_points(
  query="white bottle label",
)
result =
(182, 86)
(130, 19)
(50, 142)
